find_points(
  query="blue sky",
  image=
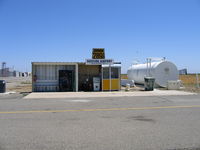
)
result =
(67, 30)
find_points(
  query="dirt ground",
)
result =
(18, 84)
(24, 84)
(189, 82)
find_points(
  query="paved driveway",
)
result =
(128, 123)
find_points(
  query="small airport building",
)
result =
(96, 74)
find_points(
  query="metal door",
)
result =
(66, 80)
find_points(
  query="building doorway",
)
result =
(66, 80)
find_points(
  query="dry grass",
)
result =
(188, 79)
(190, 83)
(21, 88)
(124, 76)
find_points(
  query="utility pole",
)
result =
(197, 77)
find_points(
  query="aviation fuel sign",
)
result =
(99, 61)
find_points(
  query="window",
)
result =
(114, 73)
(106, 73)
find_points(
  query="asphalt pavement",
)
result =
(114, 123)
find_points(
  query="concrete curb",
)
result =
(48, 95)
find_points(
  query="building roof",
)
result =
(116, 64)
(57, 63)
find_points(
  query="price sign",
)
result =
(98, 53)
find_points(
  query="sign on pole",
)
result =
(98, 53)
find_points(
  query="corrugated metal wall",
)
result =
(47, 77)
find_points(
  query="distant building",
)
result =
(9, 72)
(6, 72)
(16, 74)
(183, 72)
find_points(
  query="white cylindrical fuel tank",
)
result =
(162, 71)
